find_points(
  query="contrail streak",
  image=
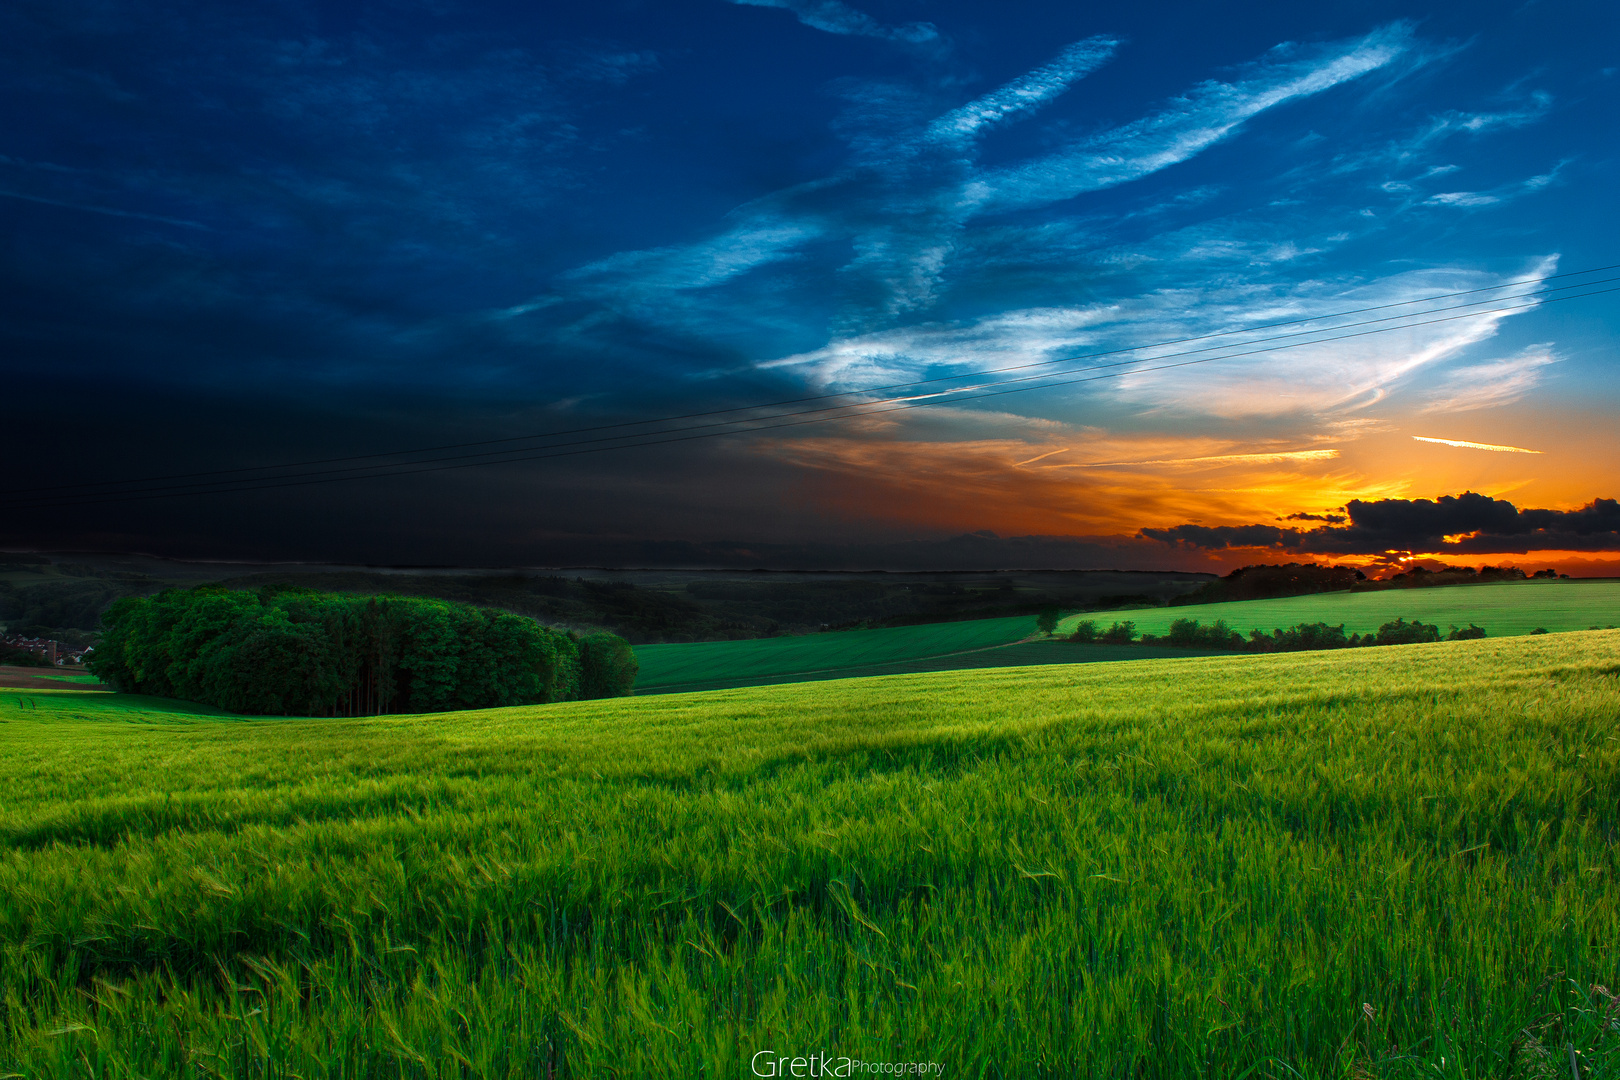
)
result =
(1466, 445)
(1218, 459)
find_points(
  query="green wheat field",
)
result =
(697, 665)
(1393, 862)
(1504, 609)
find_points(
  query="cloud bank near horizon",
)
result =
(1466, 524)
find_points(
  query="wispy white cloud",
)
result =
(834, 17)
(1535, 108)
(110, 211)
(612, 65)
(899, 209)
(900, 229)
(1408, 159)
(1004, 340)
(1338, 375)
(1464, 444)
(1026, 93)
(1493, 383)
(905, 206)
(1211, 460)
(1327, 378)
(1188, 125)
(1505, 193)
(640, 274)
(1459, 198)
(1041, 457)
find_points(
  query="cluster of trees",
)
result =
(1121, 633)
(64, 600)
(10, 657)
(1188, 633)
(638, 614)
(1322, 636)
(66, 609)
(1267, 581)
(1423, 578)
(300, 653)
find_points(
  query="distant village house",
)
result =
(56, 652)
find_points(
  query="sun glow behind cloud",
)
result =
(1322, 377)
(945, 484)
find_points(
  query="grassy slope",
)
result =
(765, 658)
(1020, 654)
(84, 679)
(1504, 609)
(1180, 867)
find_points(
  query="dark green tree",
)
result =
(1121, 633)
(1401, 632)
(1187, 633)
(296, 652)
(1301, 637)
(608, 666)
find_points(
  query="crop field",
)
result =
(50, 678)
(738, 662)
(1393, 862)
(1504, 609)
(1018, 654)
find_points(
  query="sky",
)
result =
(1184, 285)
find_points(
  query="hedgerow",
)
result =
(311, 654)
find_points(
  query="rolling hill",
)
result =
(1379, 862)
(1504, 609)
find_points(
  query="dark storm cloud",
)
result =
(1466, 524)
(1219, 537)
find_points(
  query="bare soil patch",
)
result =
(31, 678)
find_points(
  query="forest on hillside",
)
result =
(64, 597)
(304, 653)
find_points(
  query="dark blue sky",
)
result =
(240, 236)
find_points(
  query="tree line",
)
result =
(1188, 633)
(301, 653)
(1268, 581)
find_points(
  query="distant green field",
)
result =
(1020, 654)
(81, 679)
(734, 663)
(1395, 862)
(1504, 609)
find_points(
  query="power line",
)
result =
(864, 408)
(200, 476)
